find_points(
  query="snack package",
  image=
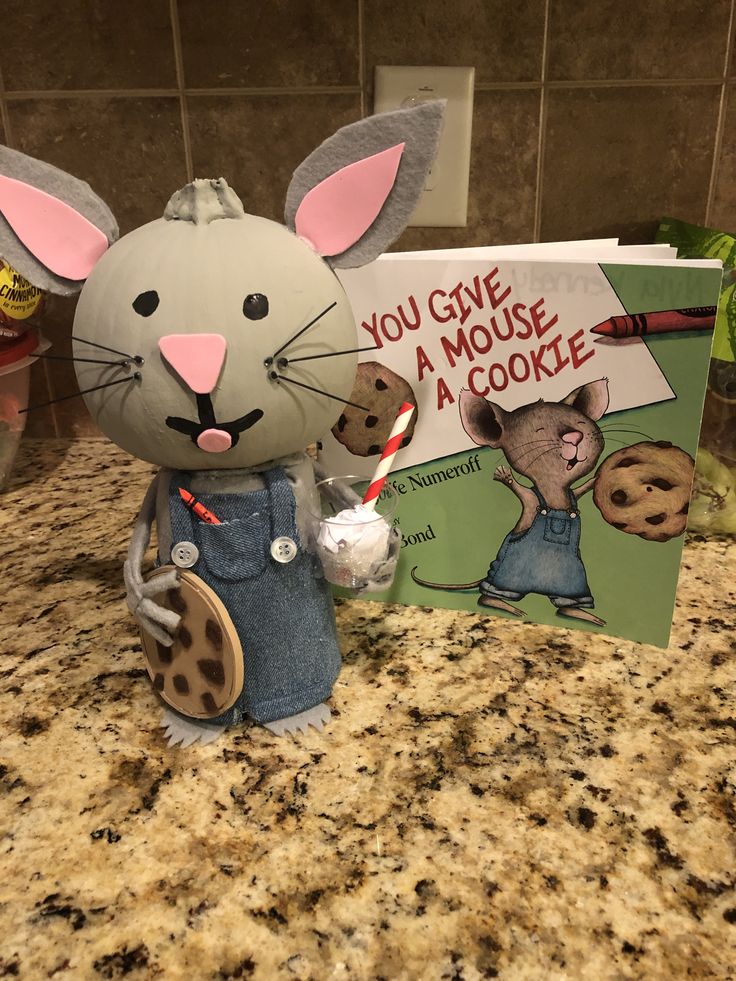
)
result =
(713, 507)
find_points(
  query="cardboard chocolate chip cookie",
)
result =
(201, 674)
(382, 392)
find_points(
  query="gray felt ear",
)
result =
(72, 191)
(418, 128)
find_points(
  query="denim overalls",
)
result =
(282, 611)
(543, 559)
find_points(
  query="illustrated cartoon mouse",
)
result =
(231, 346)
(553, 444)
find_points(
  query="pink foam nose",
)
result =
(573, 437)
(196, 358)
(214, 441)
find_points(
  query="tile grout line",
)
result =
(171, 93)
(541, 139)
(722, 105)
(361, 55)
(183, 109)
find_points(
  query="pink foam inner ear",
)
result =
(340, 209)
(57, 235)
(196, 358)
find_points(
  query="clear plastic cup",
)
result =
(350, 551)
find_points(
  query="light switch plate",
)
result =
(444, 202)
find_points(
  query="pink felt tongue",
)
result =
(214, 441)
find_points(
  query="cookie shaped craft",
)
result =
(222, 388)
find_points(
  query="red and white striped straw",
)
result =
(387, 457)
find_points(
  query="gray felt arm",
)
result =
(155, 619)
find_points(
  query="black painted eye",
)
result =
(145, 303)
(255, 306)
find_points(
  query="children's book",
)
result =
(547, 471)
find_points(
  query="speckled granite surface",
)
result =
(491, 799)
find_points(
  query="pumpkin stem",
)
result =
(204, 201)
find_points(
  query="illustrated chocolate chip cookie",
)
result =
(645, 490)
(381, 391)
(201, 674)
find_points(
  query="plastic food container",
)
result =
(16, 358)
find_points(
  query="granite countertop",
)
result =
(491, 799)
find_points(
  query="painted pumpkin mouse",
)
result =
(230, 347)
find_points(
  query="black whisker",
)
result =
(131, 357)
(300, 332)
(329, 354)
(319, 391)
(63, 357)
(118, 381)
(620, 429)
(531, 463)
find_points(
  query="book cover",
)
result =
(548, 472)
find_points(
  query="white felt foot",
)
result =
(317, 717)
(185, 732)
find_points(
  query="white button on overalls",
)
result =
(283, 549)
(184, 555)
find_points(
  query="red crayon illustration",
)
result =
(659, 322)
(197, 508)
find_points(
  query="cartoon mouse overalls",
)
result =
(543, 559)
(274, 591)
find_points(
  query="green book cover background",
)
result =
(452, 528)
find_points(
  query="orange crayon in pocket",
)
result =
(196, 507)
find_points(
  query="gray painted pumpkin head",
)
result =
(218, 307)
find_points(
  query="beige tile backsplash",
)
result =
(590, 119)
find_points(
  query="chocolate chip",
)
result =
(656, 519)
(619, 497)
(184, 637)
(685, 508)
(628, 461)
(370, 421)
(177, 601)
(213, 671)
(663, 443)
(165, 654)
(663, 484)
(621, 525)
(158, 682)
(213, 633)
(210, 705)
(181, 684)
(406, 440)
(342, 422)
(381, 385)
(373, 449)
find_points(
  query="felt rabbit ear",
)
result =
(353, 196)
(53, 227)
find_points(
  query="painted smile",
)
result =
(209, 434)
(575, 460)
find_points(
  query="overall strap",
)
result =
(542, 502)
(283, 503)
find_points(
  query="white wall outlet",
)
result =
(444, 202)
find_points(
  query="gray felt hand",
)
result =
(156, 620)
(382, 572)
